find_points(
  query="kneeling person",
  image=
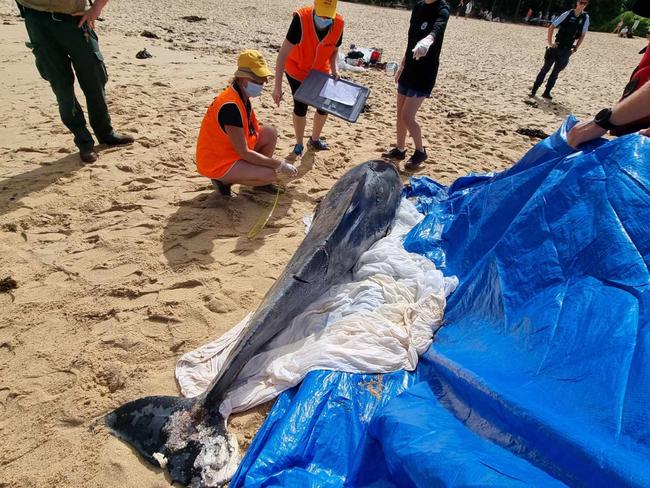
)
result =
(232, 147)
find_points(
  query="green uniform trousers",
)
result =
(59, 45)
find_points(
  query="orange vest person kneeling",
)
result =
(232, 147)
(312, 42)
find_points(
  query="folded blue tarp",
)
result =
(541, 374)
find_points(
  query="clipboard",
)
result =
(310, 93)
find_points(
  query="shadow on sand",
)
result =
(191, 232)
(551, 107)
(14, 188)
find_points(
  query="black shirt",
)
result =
(425, 19)
(295, 32)
(229, 113)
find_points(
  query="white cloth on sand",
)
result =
(379, 320)
(342, 65)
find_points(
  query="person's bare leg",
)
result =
(245, 173)
(409, 111)
(401, 126)
(319, 123)
(299, 124)
(267, 140)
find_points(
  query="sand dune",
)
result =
(125, 264)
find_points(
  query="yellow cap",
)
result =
(251, 64)
(325, 8)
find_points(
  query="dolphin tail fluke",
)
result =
(179, 435)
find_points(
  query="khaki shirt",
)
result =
(58, 6)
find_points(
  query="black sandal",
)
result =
(223, 188)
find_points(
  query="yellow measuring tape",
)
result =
(264, 218)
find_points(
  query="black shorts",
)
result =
(299, 108)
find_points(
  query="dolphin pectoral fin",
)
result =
(315, 269)
(179, 435)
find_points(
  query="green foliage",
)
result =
(601, 12)
(604, 14)
(628, 19)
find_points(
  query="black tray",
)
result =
(309, 93)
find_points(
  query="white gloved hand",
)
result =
(287, 169)
(422, 47)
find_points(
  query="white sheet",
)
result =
(380, 321)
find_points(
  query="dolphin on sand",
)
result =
(188, 436)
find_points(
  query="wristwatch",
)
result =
(602, 119)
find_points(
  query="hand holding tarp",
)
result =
(584, 132)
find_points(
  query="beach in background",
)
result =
(125, 264)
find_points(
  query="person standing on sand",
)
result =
(619, 26)
(233, 148)
(461, 4)
(417, 75)
(632, 112)
(572, 28)
(62, 37)
(468, 9)
(312, 42)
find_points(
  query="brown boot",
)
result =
(115, 139)
(88, 154)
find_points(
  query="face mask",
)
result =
(322, 22)
(254, 89)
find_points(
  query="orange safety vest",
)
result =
(311, 53)
(215, 154)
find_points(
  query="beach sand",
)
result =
(125, 264)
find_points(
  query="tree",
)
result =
(600, 11)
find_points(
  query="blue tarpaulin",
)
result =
(541, 374)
